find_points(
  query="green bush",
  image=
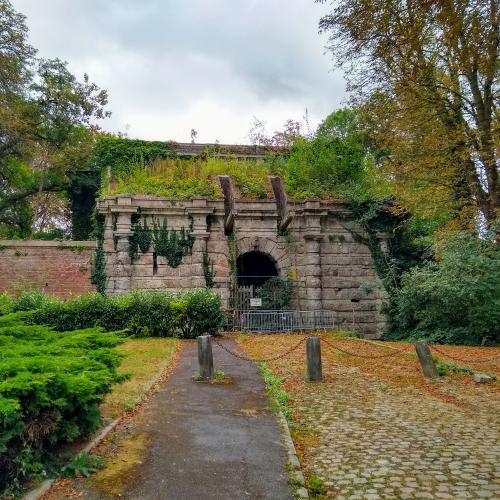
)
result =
(142, 313)
(204, 313)
(276, 293)
(455, 299)
(30, 299)
(83, 311)
(150, 314)
(51, 385)
(5, 303)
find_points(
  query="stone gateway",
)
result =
(154, 243)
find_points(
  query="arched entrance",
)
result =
(254, 268)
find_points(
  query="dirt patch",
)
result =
(121, 460)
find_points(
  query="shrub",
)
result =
(150, 314)
(276, 293)
(5, 303)
(142, 313)
(455, 299)
(51, 385)
(83, 311)
(30, 299)
(204, 313)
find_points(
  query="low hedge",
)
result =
(184, 315)
(51, 385)
(26, 300)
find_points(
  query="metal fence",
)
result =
(283, 321)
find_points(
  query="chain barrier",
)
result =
(262, 360)
(484, 360)
(337, 348)
(349, 353)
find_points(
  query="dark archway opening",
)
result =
(255, 268)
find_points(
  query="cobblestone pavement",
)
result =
(373, 438)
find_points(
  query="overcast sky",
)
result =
(212, 65)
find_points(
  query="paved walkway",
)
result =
(378, 442)
(377, 429)
(201, 441)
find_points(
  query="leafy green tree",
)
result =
(336, 161)
(46, 129)
(456, 298)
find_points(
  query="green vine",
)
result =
(140, 239)
(208, 269)
(99, 277)
(169, 243)
(276, 293)
(172, 244)
(233, 258)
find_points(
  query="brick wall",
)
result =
(55, 267)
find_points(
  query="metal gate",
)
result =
(283, 321)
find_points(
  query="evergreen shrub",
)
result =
(455, 299)
(51, 385)
(142, 313)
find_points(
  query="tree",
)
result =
(335, 161)
(46, 129)
(455, 298)
(427, 74)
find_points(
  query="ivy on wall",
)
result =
(99, 277)
(115, 155)
(276, 293)
(172, 244)
(118, 154)
(140, 239)
(81, 192)
(208, 269)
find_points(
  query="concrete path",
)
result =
(205, 441)
(213, 440)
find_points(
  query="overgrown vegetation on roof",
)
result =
(187, 178)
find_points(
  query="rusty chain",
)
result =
(485, 360)
(337, 348)
(263, 360)
(349, 353)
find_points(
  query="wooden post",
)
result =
(313, 348)
(425, 358)
(205, 357)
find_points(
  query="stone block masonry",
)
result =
(61, 268)
(306, 241)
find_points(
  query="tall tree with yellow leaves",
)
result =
(427, 74)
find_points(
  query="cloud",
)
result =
(212, 65)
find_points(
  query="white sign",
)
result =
(255, 302)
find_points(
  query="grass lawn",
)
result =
(144, 360)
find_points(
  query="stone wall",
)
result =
(308, 241)
(58, 268)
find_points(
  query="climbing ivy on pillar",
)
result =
(169, 243)
(208, 269)
(140, 239)
(99, 277)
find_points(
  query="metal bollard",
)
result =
(425, 358)
(205, 356)
(313, 349)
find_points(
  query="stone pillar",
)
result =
(108, 243)
(199, 212)
(312, 272)
(121, 269)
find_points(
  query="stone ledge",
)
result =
(70, 244)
